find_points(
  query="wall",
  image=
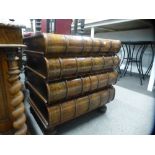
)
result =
(132, 35)
(63, 26)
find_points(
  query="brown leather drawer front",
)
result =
(71, 109)
(59, 68)
(68, 44)
(64, 90)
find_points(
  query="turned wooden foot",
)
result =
(102, 109)
(51, 131)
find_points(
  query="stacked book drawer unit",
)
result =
(68, 76)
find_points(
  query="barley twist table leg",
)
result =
(17, 97)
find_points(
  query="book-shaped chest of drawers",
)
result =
(68, 76)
